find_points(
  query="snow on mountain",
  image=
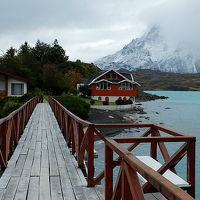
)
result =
(151, 51)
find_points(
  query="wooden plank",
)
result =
(1, 193)
(33, 139)
(33, 190)
(15, 156)
(39, 136)
(36, 162)
(22, 189)
(74, 177)
(86, 193)
(27, 143)
(28, 163)
(45, 159)
(66, 185)
(19, 165)
(52, 157)
(44, 187)
(100, 191)
(4, 181)
(56, 192)
(159, 196)
(149, 196)
(11, 188)
(44, 139)
(172, 177)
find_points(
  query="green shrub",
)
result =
(85, 90)
(73, 91)
(128, 102)
(9, 107)
(7, 99)
(120, 102)
(35, 93)
(105, 103)
(92, 102)
(75, 104)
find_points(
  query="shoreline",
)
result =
(112, 117)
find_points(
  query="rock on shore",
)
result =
(110, 117)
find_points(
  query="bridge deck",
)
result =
(42, 166)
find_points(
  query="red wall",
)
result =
(113, 92)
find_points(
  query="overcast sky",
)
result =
(90, 29)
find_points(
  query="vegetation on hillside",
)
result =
(157, 80)
(47, 66)
(75, 104)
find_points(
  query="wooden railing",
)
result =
(80, 135)
(11, 128)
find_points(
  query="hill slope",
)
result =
(157, 80)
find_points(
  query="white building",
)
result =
(11, 85)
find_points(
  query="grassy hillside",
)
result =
(156, 80)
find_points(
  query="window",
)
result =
(125, 86)
(111, 76)
(108, 76)
(17, 89)
(103, 86)
(2, 83)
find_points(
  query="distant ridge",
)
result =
(157, 80)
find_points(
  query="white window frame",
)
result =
(125, 86)
(103, 86)
(13, 91)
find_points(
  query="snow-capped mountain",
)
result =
(151, 51)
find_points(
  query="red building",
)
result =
(12, 85)
(112, 85)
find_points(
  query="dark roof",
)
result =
(85, 81)
(125, 73)
(14, 76)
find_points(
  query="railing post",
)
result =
(3, 146)
(153, 148)
(90, 152)
(108, 173)
(191, 167)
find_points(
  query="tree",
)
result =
(53, 80)
(10, 53)
(24, 49)
(40, 51)
(72, 78)
(85, 90)
(56, 54)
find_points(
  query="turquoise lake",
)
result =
(180, 112)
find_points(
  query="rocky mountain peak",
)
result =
(151, 51)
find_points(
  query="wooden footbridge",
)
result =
(48, 153)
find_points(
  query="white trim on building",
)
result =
(112, 98)
(16, 87)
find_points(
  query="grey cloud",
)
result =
(179, 21)
(84, 27)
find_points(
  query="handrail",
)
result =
(80, 134)
(160, 183)
(11, 128)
